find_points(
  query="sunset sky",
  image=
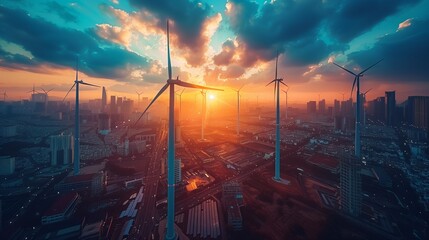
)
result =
(122, 45)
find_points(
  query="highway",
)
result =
(147, 214)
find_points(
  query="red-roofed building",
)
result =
(61, 209)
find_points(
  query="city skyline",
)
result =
(215, 45)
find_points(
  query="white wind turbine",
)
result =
(358, 100)
(171, 145)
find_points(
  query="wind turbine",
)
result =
(33, 91)
(138, 94)
(363, 95)
(203, 112)
(4, 96)
(46, 98)
(171, 147)
(76, 161)
(277, 82)
(286, 101)
(238, 109)
(180, 101)
(357, 83)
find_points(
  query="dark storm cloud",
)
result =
(404, 53)
(61, 11)
(355, 17)
(295, 28)
(58, 47)
(271, 27)
(188, 17)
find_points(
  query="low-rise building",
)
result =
(62, 209)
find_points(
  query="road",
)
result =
(147, 214)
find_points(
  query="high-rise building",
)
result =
(350, 185)
(103, 100)
(417, 111)
(379, 108)
(311, 107)
(337, 108)
(119, 105)
(322, 106)
(7, 165)
(390, 108)
(347, 108)
(61, 149)
(113, 108)
(177, 170)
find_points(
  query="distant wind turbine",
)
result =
(277, 82)
(33, 91)
(138, 94)
(179, 122)
(4, 96)
(363, 95)
(238, 109)
(171, 146)
(76, 117)
(46, 98)
(358, 100)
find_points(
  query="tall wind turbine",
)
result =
(358, 100)
(171, 148)
(285, 91)
(277, 82)
(76, 160)
(180, 101)
(238, 109)
(203, 112)
(33, 91)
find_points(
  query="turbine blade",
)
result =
(88, 84)
(168, 52)
(283, 83)
(345, 69)
(354, 83)
(270, 82)
(68, 92)
(77, 68)
(367, 91)
(191, 85)
(182, 91)
(370, 67)
(277, 58)
(242, 86)
(153, 100)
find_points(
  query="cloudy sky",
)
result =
(121, 44)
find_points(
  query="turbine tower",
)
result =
(203, 112)
(138, 94)
(46, 98)
(363, 95)
(171, 148)
(238, 110)
(76, 161)
(277, 82)
(358, 100)
(4, 96)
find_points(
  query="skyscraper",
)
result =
(311, 107)
(113, 105)
(103, 100)
(417, 111)
(379, 108)
(350, 185)
(322, 106)
(61, 149)
(337, 108)
(390, 108)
